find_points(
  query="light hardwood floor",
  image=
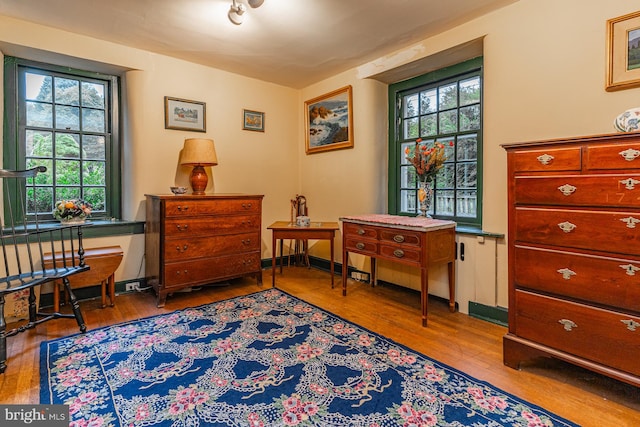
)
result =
(470, 345)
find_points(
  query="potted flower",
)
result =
(428, 159)
(74, 210)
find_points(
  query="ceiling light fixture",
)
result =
(237, 10)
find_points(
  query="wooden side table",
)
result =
(103, 263)
(415, 241)
(282, 230)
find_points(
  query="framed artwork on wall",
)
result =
(253, 120)
(184, 114)
(623, 52)
(329, 121)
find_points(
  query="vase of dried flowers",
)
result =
(428, 159)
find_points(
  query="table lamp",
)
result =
(198, 152)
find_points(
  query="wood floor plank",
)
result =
(471, 345)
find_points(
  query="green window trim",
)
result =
(472, 67)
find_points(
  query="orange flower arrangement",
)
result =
(427, 160)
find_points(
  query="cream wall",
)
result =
(543, 78)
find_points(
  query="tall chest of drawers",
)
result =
(197, 240)
(574, 253)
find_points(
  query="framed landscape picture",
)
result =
(184, 114)
(329, 121)
(623, 52)
(253, 120)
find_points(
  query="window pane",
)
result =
(470, 91)
(408, 201)
(466, 175)
(444, 204)
(67, 118)
(92, 120)
(43, 202)
(449, 146)
(68, 145)
(42, 178)
(470, 118)
(448, 96)
(428, 102)
(67, 193)
(38, 87)
(467, 148)
(467, 204)
(67, 91)
(411, 128)
(448, 121)
(38, 143)
(428, 125)
(95, 197)
(93, 173)
(93, 147)
(411, 105)
(93, 95)
(446, 177)
(39, 114)
(68, 172)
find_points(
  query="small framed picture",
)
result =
(184, 114)
(329, 121)
(623, 52)
(253, 120)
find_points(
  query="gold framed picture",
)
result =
(184, 114)
(623, 52)
(253, 120)
(329, 121)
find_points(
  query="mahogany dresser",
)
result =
(197, 240)
(574, 253)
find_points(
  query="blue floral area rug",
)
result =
(266, 359)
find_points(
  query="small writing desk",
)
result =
(415, 241)
(286, 230)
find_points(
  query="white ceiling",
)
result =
(289, 42)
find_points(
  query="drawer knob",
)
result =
(632, 325)
(398, 238)
(182, 249)
(566, 273)
(180, 272)
(630, 154)
(246, 242)
(545, 159)
(567, 324)
(399, 253)
(629, 183)
(183, 208)
(360, 245)
(630, 269)
(182, 227)
(567, 189)
(630, 221)
(361, 232)
(246, 206)
(567, 227)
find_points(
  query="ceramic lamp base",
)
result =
(199, 180)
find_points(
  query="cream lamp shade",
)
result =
(198, 152)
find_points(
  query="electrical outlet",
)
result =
(364, 277)
(355, 275)
(132, 286)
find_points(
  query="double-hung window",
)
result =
(63, 119)
(444, 106)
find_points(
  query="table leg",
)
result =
(345, 270)
(373, 271)
(452, 286)
(424, 293)
(332, 237)
(273, 260)
(103, 290)
(112, 289)
(282, 255)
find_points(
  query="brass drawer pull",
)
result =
(399, 253)
(632, 325)
(568, 324)
(246, 205)
(566, 273)
(630, 269)
(567, 189)
(246, 242)
(567, 227)
(182, 227)
(360, 231)
(182, 249)
(180, 272)
(629, 183)
(545, 159)
(630, 221)
(398, 238)
(630, 154)
(181, 208)
(360, 245)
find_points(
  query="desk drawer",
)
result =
(551, 159)
(207, 226)
(210, 270)
(610, 231)
(602, 336)
(402, 237)
(401, 253)
(189, 207)
(361, 246)
(202, 247)
(612, 156)
(358, 231)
